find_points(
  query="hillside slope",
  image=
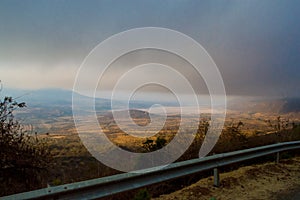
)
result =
(262, 181)
(279, 106)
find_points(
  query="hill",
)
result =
(275, 106)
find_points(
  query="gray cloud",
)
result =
(254, 43)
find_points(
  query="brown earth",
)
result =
(261, 181)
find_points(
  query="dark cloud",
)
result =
(255, 44)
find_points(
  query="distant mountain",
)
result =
(280, 106)
(49, 103)
(291, 105)
(41, 96)
(59, 101)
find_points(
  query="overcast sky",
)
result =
(255, 44)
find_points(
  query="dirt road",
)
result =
(264, 181)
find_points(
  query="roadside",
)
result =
(296, 195)
(261, 181)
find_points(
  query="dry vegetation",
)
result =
(259, 181)
(72, 162)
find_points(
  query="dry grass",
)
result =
(263, 181)
(72, 162)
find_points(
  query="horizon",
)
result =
(140, 97)
(90, 90)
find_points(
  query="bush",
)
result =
(142, 194)
(18, 148)
(24, 157)
(151, 145)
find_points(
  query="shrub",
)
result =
(142, 194)
(24, 157)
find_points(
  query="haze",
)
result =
(255, 44)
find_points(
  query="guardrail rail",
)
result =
(106, 186)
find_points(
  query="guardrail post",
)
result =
(111, 185)
(277, 157)
(216, 177)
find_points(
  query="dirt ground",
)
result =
(263, 181)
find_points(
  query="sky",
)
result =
(255, 44)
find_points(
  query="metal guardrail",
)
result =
(106, 186)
